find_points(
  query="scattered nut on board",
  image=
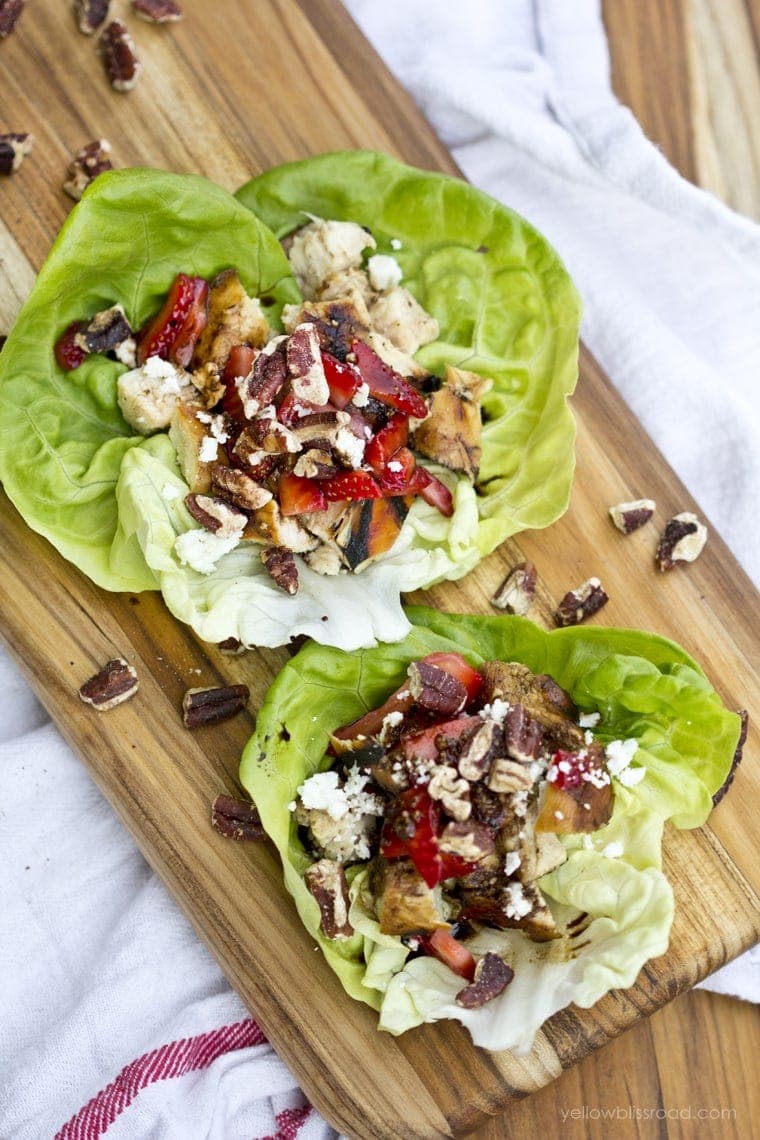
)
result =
(91, 15)
(13, 150)
(683, 540)
(628, 517)
(10, 10)
(236, 819)
(157, 11)
(116, 682)
(517, 592)
(92, 160)
(211, 706)
(581, 603)
(120, 58)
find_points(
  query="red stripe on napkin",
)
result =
(173, 1060)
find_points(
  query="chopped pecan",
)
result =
(628, 517)
(452, 790)
(244, 492)
(682, 540)
(157, 11)
(508, 776)
(744, 717)
(216, 515)
(85, 167)
(518, 590)
(231, 647)
(116, 682)
(326, 881)
(523, 735)
(10, 10)
(436, 690)
(315, 464)
(280, 564)
(236, 819)
(486, 742)
(270, 371)
(305, 365)
(467, 839)
(120, 57)
(492, 976)
(211, 706)
(91, 15)
(106, 331)
(13, 150)
(581, 603)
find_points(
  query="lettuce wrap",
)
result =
(644, 688)
(112, 502)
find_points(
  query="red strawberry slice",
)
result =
(434, 492)
(342, 380)
(174, 331)
(68, 354)
(388, 440)
(239, 364)
(298, 495)
(386, 385)
(398, 476)
(351, 485)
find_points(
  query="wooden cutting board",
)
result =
(226, 98)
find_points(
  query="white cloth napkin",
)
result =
(113, 1018)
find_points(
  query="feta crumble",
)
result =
(202, 549)
(511, 862)
(589, 720)
(384, 272)
(517, 905)
(324, 792)
(209, 449)
(496, 711)
(396, 243)
(619, 756)
(613, 850)
(169, 492)
(361, 395)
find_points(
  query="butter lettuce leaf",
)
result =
(644, 687)
(506, 307)
(62, 436)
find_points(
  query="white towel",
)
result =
(114, 1018)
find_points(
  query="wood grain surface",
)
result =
(227, 101)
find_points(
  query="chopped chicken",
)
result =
(149, 395)
(189, 436)
(403, 902)
(402, 319)
(348, 285)
(399, 361)
(451, 433)
(269, 526)
(233, 318)
(322, 248)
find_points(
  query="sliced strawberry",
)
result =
(239, 364)
(68, 354)
(434, 492)
(441, 944)
(292, 409)
(411, 829)
(342, 380)
(424, 745)
(456, 665)
(174, 331)
(386, 385)
(372, 722)
(297, 495)
(388, 440)
(399, 474)
(351, 486)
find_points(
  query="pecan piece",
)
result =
(523, 735)
(91, 15)
(280, 564)
(326, 881)
(518, 590)
(244, 492)
(10, 10)
(236, 819)
(120, 57)
(508, 776)
(435, 689)
(485, 743)
(85, 167)
(581, 603)
(744, 717)
(492, 976)
(682, 540)
(628, 517)
(216, 515)
(13, 150)
(469, 840)
(105, 332)
(452, 790)
(116, 682)
(268, 375)
(231, 647)
(157, 11)
(305, 366)
(211, 706)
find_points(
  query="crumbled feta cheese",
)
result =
(202, 549)
(511, 862)
(215, 424)
(520, 802)
(588, 842)
(292, 805)
(396, 243)
(589, 720)
(619, 755)
(496, 711)
(169, 492)
(394, 465)
(384, 272)
(630, 777)
(390, 721)
(209, 449)
(349, 446)
(517, 905)
(155, 368)
(148, 395)
(613, 850)
(588, 736)
(361, 395)
(324, 792)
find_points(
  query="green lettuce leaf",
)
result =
(62, 436)
(506, 306)
(644, 687)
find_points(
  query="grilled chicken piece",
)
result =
(404, 904)
(208, 382)
(187, 433)
(399, 361)
(349, 285)
(488, 898)
(513, 682)
(338, 324)
(148, 395)
(451, 433)
(583, 806)
(233, 318)
(323, 248)
(269, 526)
(539, 853)
(401, 318)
